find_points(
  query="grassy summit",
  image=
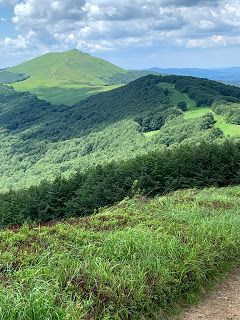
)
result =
(66, 77)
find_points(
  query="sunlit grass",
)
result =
(229, 129)
(60, 92)
(177, 96)
(140, 258)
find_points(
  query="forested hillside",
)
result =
(159, 172)
(63, 167)
(40, 140)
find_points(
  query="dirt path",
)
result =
(222, 304)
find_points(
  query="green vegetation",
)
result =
(60, 164)
(129, 76)
(230, 111)
(9, 77)
(66, 77)
(185, 166)
(203, 91)
(197, 112)
(175, 95)
(140, 259)
(230, 130)
(40, 141)
(182, 105)
(192, 131)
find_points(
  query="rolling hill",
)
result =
(71, 76)
(40, 140)
(66, 77)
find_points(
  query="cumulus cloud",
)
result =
(107, 24)
(21, 42)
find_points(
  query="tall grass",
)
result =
(137, 260)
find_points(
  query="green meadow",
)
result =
(229, 129)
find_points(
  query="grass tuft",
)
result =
(142, 259)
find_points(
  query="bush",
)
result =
(182, 105)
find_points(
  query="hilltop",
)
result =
(66, 77)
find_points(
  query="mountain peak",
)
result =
(79, 73)
(74, 50)
(66, 52)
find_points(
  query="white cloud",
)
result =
(213, 41)
(106, 24)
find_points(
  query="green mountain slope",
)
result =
(143, 258)
(39, 140)
(66, 77)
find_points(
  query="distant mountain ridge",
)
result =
(228, 75)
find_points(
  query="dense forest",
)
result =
(186, 166)
(41, 140)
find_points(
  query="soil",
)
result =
(221, 304)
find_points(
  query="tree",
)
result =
(182, 105)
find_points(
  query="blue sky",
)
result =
(7, 28)
(132, 34)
